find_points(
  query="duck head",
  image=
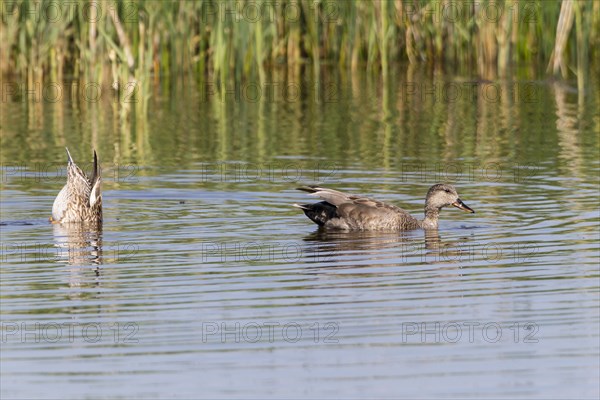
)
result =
(443, 195)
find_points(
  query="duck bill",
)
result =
(459, 204)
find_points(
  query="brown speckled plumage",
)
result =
(354, 213)
(80, 200)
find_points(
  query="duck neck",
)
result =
(431, 218)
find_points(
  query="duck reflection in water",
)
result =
(339, 247)
(78, 244)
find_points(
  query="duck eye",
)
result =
(447, 190)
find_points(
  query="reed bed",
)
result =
(125, 42)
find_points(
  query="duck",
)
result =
(80, 200)
(342, 211)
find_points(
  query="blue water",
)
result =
(206, 283)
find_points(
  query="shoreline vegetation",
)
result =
(129, 44)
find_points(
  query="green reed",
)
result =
(132, 41)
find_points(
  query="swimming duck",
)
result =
(80, 200)
(354, 213)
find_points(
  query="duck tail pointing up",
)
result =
(95, 171)
(69, 158)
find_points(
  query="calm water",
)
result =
(205, 282)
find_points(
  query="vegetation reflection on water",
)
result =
(201, 250)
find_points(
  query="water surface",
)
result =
(205, 282)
